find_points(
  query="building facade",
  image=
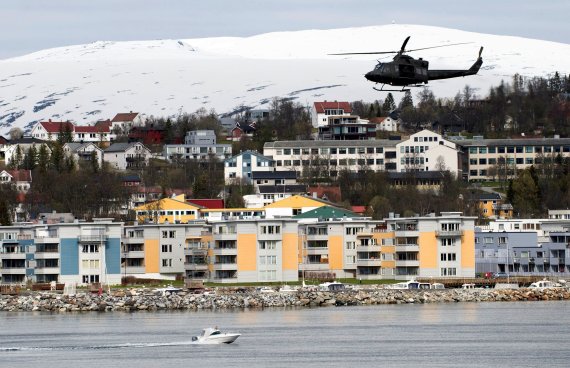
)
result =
(198, 144)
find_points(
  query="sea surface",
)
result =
(524, 334)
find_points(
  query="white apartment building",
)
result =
(240, 166)
(427, 151)
(198, 144)
(333, 156)
(321, 111)
(486, 155)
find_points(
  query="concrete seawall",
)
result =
(146, 299)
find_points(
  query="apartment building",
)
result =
(333, 156)
(77, 252)
(198, 144)
(427, 151)
(489, 159)
(241, 166)
(394, 248)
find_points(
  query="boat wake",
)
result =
(94, 347)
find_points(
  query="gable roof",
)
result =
(320, 107)
(125, 116)
(102, 128)
(57, 126)
(298, 201)
(167, 204)
(121, 147)
(327, 212)
(207, 203)
(19, 175)
(294, 188)
(257, 175)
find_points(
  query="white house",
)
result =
(323, 110)
(23, 144)
(427, 151)
(386, 124)
(21, 179)
(84, 152)
(50, 131)
(123, 122)
(243, 164)
(123, 156)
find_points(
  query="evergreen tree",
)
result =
(43, 158)
(30, 159)
(18, 159)
(407, 101)
(5, 218)
(389, 104)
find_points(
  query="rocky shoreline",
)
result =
(151, 300)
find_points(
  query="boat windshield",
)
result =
(215, 333)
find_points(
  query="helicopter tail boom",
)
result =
(445, 74)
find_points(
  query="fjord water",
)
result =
(518, 335)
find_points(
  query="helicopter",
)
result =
(405, 71)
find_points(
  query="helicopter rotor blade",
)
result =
(366, 53)
(435, 47)
(480, 51)
(403, 48)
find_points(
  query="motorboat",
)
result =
(169, 289)
(410, 285)
(437, 286)
(544, 284)
(468, 286)
(287, 289)
(266, 289)
(332, 286)
(215, 336)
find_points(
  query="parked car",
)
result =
(498, 275)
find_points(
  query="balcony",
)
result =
(196, 266)
(449, 233)
(133, 240)
(47, 271)
(368, 248)
(368, 262)
(46, 255)
(407, 248)
(408, 263)
(12, 256)
(225, 266)
(133, 254)
(92, 238)
(13, 271)
(130, 270)
(225, 251)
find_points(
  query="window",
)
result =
(167, 262)
(350, 259)
(488, 240)
(268, 244)
(90, 248)
(272, 229)
(502, 240)
(167, 248)
(350, 245)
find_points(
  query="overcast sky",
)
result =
(31, 25)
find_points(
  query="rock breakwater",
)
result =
(148, 300)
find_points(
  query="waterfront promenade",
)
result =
(229, 298)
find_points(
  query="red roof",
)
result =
(21, 175)
(378, 120)
(57, 126)
(322, 106)
(125, 116)
(332, 194)
(92, 129)
(359, 209)
(208, 203)
(104, 124)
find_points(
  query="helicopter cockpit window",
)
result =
(379, 67)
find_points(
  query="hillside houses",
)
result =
(123, 156)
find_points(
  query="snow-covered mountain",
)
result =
(86, 83)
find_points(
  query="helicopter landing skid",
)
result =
(404, 89)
